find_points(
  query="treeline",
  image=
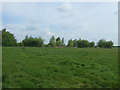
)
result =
(8, 39)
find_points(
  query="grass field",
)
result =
(0, 67)
(59, 67)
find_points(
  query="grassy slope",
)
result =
(0, 67)
(59, 67)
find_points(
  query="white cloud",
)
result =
(60, 0)
(69, 20)
(0, 15)
(47, 31)
(20, 31)
(65, 7)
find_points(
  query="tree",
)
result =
(109, 44)
(105, 44)
(70, 43)
(83, 43)
(58, 39)
(8, 38)
(101, 43)
(26, 41)
(92, 44)
(58, 42)
(52, 42)
(20, 44)
(75, 43)
(62, 42)
(0, 38)
(33, 42)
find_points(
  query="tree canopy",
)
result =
(70, 43)
(0, 38)
(105, 44)
(33, 42)
(52, 42)
(83, 43)
(8, 38)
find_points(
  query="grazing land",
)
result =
(0, 67)
(33, 67)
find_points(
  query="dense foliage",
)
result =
(33, 42)
(56, 42)
(80, 43)
(52, 42)
(83, 43)
(105, 44)
(70, 43)
(0, 38)
(8, 39)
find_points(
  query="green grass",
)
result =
(0, 67)
(59, 67)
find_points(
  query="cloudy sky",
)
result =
(85, 20)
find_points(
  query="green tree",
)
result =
(62, 42)
(70, 43)
(20, 44)
(101, 43)
(58, 42)
(83, 43)
(75, 43)
(8, 38)
(52, 42)
(58, 39)
(0, 38)
(33, 42)
(105, 44)
(26, 41)
(92, 44)
(108, 44)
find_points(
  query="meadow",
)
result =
(33, 67)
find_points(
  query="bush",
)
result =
(8, 38)
(83, 43)
(20, 44)
(105, 44)
(33, 42)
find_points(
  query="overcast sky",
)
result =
(85, 20)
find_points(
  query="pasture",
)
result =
(33, 67)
